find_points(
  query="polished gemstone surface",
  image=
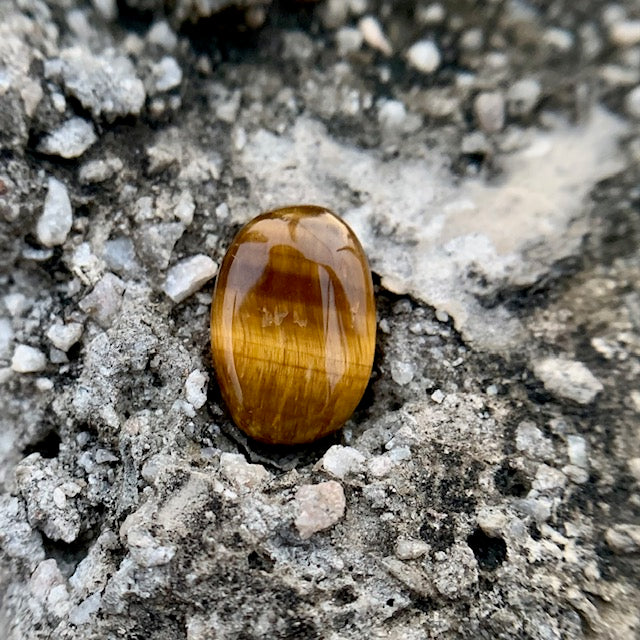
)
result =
(293, 325)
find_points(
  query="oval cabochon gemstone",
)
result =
(293, 325)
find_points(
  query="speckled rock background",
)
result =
(487, 154)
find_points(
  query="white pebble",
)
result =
(187, 276)
(410, 549)
(547, 478)
(104, 455)
(185, 208)
(489, 110)
(241, 473)
(318, 507)
(64, 336)
(559, 39)
(120, 255)
(625, 33)
(568, 379)
(341, 461)
(391, 114)
(424, 56)
(632, 103)
(431, 15)
(577, 451)
(531, 440)
(162, 36)
(59, 498)
(27, 359)
(373, 35)
(99, 170)
(44, 384)
(523, 96)
(16, 304)
(348, 40)
(195, 388)
(107, 9)
(442, 315)
(634, 468)
(103, 303)
(380, 466)
(623, 538)
(437, 396)
(6, 337)
(70, 140)
(402, 372)
(55, 222)
(167, 74)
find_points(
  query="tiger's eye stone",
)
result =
(293, 325)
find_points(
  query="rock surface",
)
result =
(488, 485)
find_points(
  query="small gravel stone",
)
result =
(57, 217)
(625, 33)
(402, 372)
(623, 538)
(318, 507)
(492, 521)
(380, 466)
(104, 456)
(373, 35)
(634, 468)
(188, 276)
(410, 549)
(196, 388)
(568, 379)
(523, 96)
(162, 35)
(103, 303)
(86, 610)
(44, 384)
(547, 479)
(28, 359)
(531, 440)
(108, 9)
(431, 15)
(167, 74)
(559, 39)
(437, 396)
(185, 208)
(424, 56)
(16, 304)
(341, 461)
(348, 40)
(334, 13)
(632, 103)
(576, 474)
(577, 451)
(6, 337)
(64, 336)
(489, 110)
(106, 84)
(120, 256)
(97, 171)
(241, 473)
(70, 140)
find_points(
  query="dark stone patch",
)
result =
(512, 482)
(489, 552)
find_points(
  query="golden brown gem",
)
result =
(293, 325)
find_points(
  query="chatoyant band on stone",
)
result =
(293, 325)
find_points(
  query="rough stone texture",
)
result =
(490, 479)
